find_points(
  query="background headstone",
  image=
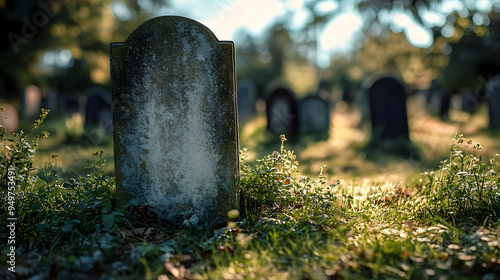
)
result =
(30, 102)
(314, 115)
(493, 94)
(10, 118)
(175, 124)
(51, 100)
(98, 109)
(388, 115)
(247, 100)
(469, 101)
(438, 101)
(70, 104)
(282, 111)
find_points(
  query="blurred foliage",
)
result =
(277, 59)
(462, 53)
(32, 29)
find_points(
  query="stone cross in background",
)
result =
(175, 123)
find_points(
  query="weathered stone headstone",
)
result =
(175, 124)
(98, 109)
(314, 115)
(30, 102)
(282, 111)
(387, 101)
(247, 100)
(493, 94)
(9, 118)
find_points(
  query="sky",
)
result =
(227, 18)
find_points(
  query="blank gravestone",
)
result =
(314, 115)
(282, 111)
(31, 102)
(493, 93)
(175, 124)
(387, 101)
(98, 109)
(247, 99)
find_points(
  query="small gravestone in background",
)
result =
(493, 94)
(98, 109)
(282, 111)
(469, 100)
(387, 101)
(175, 124)
(247, 100)
(69, 104)
(31, 102)
(51, 100)
(438, 101)
(314, 115)
(9, 118)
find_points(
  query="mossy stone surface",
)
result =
(175, 120)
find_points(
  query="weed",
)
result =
(465, 189)
(270, 190)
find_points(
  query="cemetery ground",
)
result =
(369, 214)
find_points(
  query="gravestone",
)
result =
(69, 104)
(175, 123)
(247, 100)
(493, 94)
(9, 118)
(98, 109)
(31, 102)
(282, 111)
(314, 115)
(438, 101)
(387, 101)
(470, 103)
(51, 100)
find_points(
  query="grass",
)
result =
(363, 216)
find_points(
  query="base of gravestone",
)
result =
(401, 147)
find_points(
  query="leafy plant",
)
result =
(270, 190)
(466, 188)
(18, 152)
(77, 207)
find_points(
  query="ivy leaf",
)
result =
(108, 221)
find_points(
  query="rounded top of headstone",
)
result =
(386, 76)
(279, 90)
(98, 91)
(169, 26)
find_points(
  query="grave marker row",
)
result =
(310, 115)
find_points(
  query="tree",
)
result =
(38, 35)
